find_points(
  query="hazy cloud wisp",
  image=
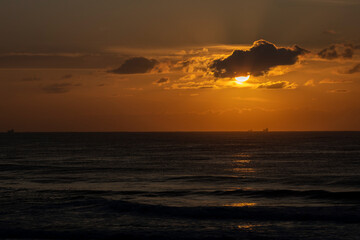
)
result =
(136, 65)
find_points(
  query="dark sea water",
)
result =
(276, 185)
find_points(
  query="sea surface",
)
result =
(184, 185)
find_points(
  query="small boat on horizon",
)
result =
(11, 131)
(266, 130)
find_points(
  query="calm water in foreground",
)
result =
(276, 185)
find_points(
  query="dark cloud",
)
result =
(136, 65)
(339, 91)
(67, 76)
(348, 53)
(59, 87)
(329, 53)
(338, 51)
(354, 69)
(162, 81)
(257, 61)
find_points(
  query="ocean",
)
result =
(180, 185)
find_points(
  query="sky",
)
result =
(179, 65)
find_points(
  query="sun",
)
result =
(242, 79)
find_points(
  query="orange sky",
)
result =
(172, 66)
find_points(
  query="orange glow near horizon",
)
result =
(117, 70)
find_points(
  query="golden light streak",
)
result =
(243, 204)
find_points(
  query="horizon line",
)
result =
(182, 131)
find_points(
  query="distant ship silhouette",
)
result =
(266, 130)
(11, 131)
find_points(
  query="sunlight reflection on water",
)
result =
(243, 204)
(244, 170)
(249, 226)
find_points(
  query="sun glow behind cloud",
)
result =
(242, 79)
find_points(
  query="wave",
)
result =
(103, 201)
(342, 214)
(204, 178)
(165, 222)
(353, 196)
(315, 194)
(346, 196)
(114, 210)
(108, 207)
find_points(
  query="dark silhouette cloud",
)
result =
(354, 69)
(162, 81)
(136, 65)
(348, 53)
(329, 53)
(257, 61)
(338, 51)
(59, 87)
